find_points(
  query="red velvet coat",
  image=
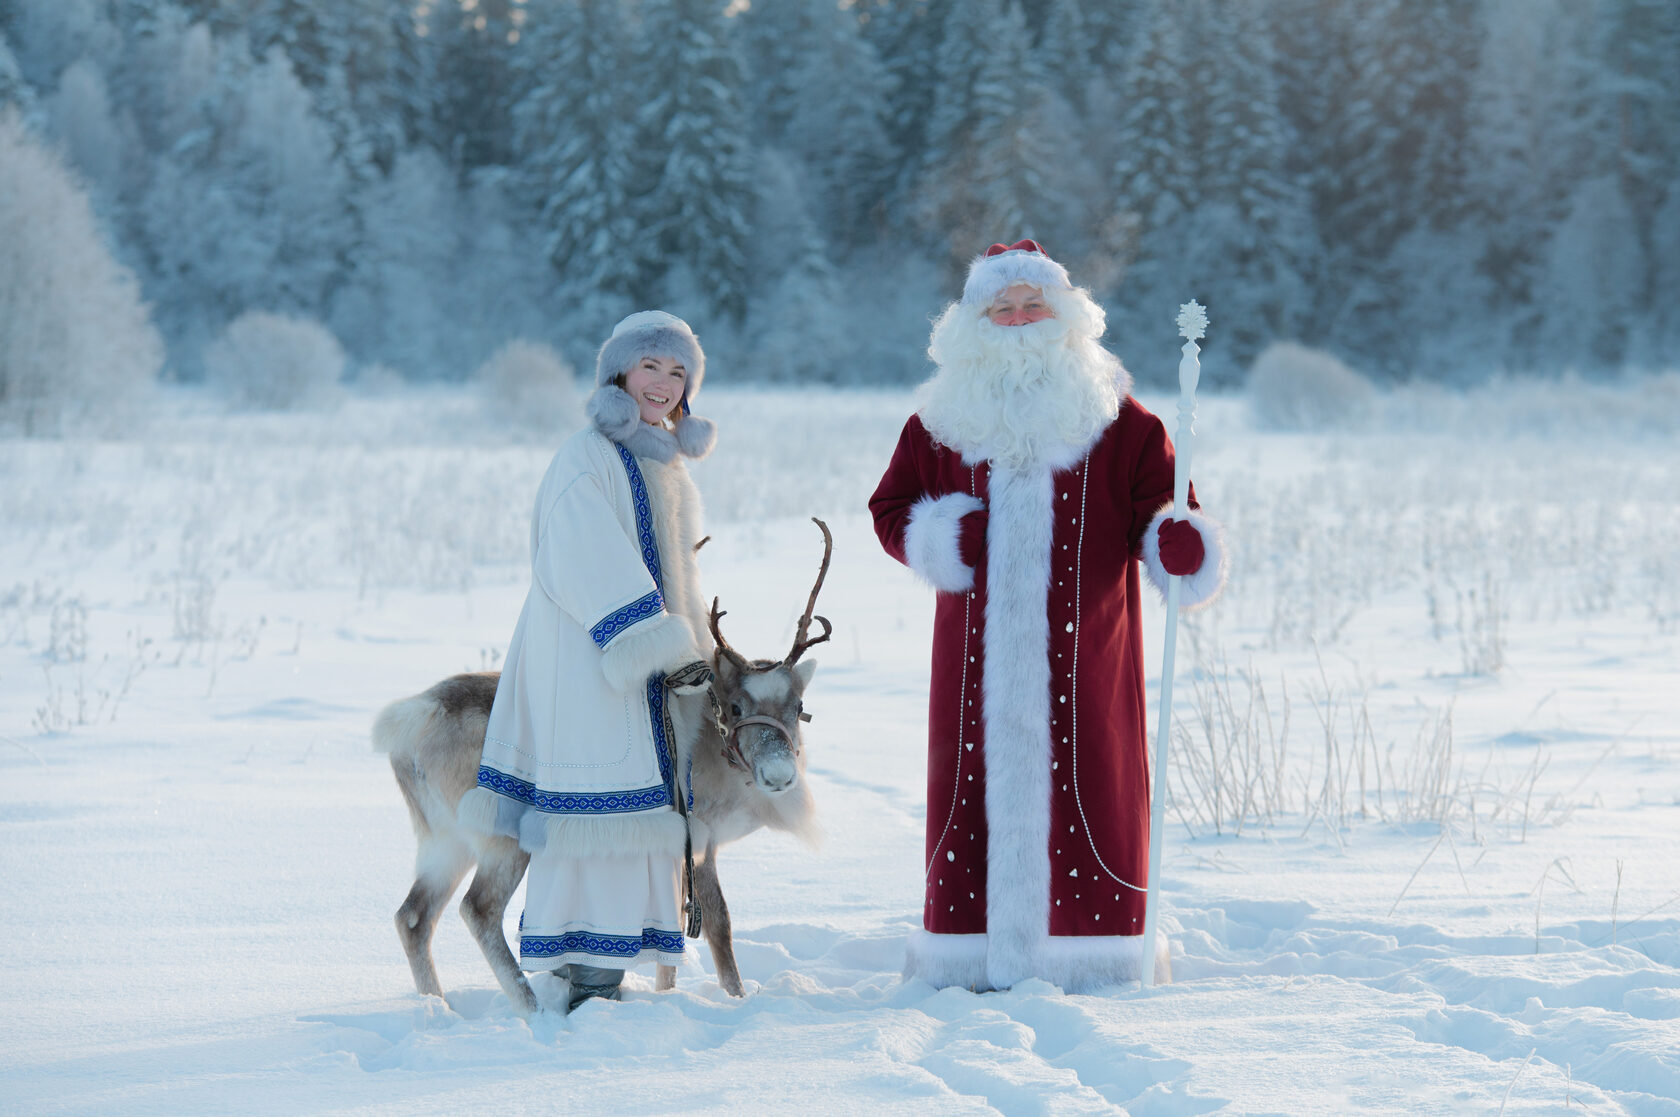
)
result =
(1038, 782)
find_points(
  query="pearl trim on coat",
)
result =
(956, 792)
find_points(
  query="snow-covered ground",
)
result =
(1422, 844)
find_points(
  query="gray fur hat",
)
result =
(611, 410)
(651, 333)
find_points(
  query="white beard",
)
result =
(1021, 396)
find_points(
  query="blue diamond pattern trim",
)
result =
(568, 802)
(611, 946)
(616, 622)
(644, 515)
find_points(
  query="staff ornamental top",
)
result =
(1192, 320)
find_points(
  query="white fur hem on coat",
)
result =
(1075, 963)
(932, 541)
(1196, 590)
(661, 644)
(1015, 699)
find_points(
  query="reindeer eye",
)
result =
(735, 709)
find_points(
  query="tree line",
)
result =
(1436, 189)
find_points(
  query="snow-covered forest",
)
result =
(1427, 189)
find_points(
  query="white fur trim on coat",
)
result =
(1016, 707)
(1196, 590)
(661, 644)
(933, 538)
(1076, 963)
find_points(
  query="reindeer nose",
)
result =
(775, 774)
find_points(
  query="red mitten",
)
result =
(1181, 546)
(971, 540)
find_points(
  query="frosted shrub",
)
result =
(529, 386)
(275, 363)
(1293, 387)
(76, 343)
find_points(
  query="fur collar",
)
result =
(612, 412)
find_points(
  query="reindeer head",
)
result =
(761, 701)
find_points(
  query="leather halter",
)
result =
(732, 737)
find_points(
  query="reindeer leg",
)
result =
(434, 883)
(665, 977)
(500, 869)
(715, 924)
(440, 864)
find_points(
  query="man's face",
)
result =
(1019, 305)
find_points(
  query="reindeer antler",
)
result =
(800, 643)
(735, 657)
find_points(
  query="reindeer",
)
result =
(747, 772)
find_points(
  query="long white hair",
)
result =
(1038, 394)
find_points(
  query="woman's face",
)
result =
(1020, 305)
(656, 384)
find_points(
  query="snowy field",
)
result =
(1423, 832)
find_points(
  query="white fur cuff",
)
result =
(661, 644)
(1196, 590)
(933, 537)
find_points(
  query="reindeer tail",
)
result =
(400, 727)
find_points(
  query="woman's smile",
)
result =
(656, 384)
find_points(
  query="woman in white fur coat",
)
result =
(577, 764)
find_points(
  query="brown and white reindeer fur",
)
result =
(743, 776)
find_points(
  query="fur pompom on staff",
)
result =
(1192, 324)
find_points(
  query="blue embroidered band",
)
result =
(644, 514)
(610, 946)
(619, 620)
(568, 802)
(661, 746)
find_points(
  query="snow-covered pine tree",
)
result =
(1586, 290)
(1391, 142)
(1643, 56)
(573, 131)
(694, 216)
(1203, 163)
(797, 333)
(979, 172)
(75, 340)
(472, 45)
(825, 89)
(250, 209)
(14, 91)
(907, 34)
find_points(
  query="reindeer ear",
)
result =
(804, 669)
(723, 666)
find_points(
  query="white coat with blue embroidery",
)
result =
(576, 764)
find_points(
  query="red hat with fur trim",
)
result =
(1004, 265)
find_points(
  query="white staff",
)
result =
(1192, 324)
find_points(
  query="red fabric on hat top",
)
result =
(1018, 246)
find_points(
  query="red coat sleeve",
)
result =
(1151, 482)
(902, 485)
